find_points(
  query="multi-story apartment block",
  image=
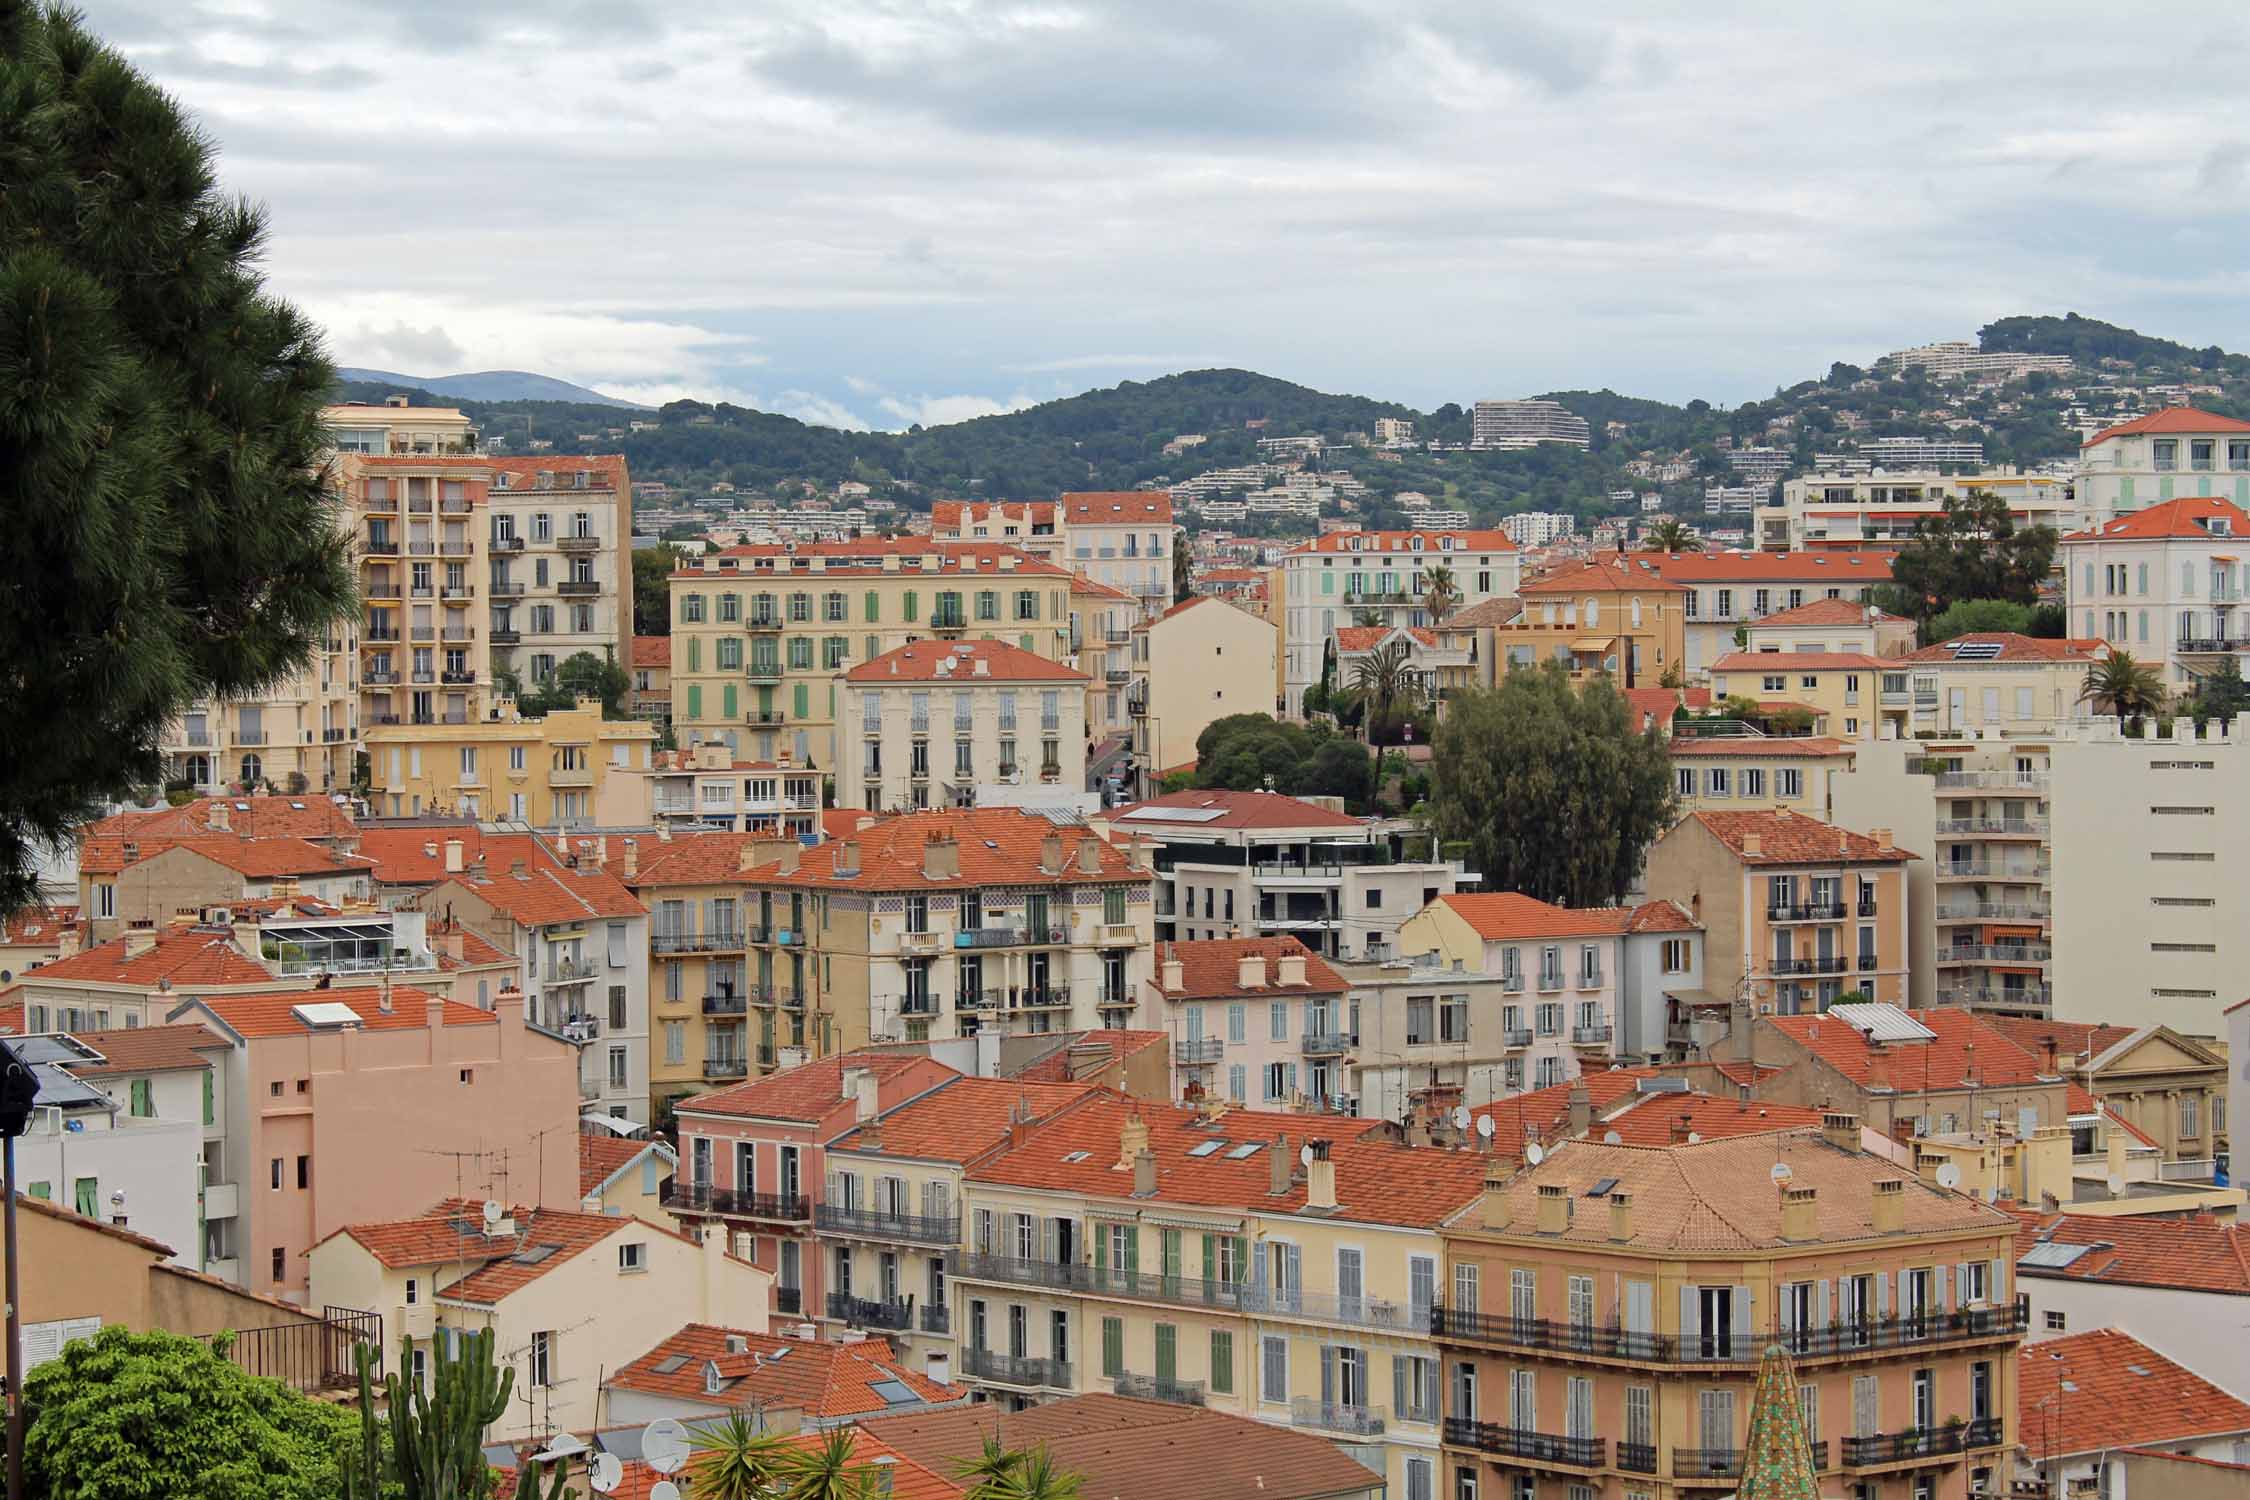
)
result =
(1536, 528)
(889, 1219)
(1882, 508)
(651, 667)
(1738, 773)
(706, 787)
(1255, 1021)
(425, 654)
(1956, 359)
(1604, 617)
(296, 736)
(1032, 527)
(1616, 1357)
(1282, 1267)
(929, 724)
(1989, 682)
(1833, 625)
(1123, 539)
(753, 1159)
(1526, 424)
(2166, 584)
(561, 547)
(1336, 579)
(1259, 864)
(1798, 912)
(1198, 662)
(1101, 645)
(2165, 455)
(1731, 591)
(395, 427)
(762, 635)
(1838, 688)
(1426, 1038)
(569, 769)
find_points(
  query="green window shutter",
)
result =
(801, 698)
(695, 653)
(1101, 1247)
(1222, 1362)
(210, 1105)
(1024, 641)
(1132, 1247)
(89, 1196)
(913, 605)
(2125, 490)
(831, 700)
(728, 693)
(1241, 1259)
(2163, 490)
(1210, 1257)
(1113, 1347)
(874, 607)
(143, 1106)
(695, 700)
(1328, 583)
(1167, 1351)
(43, 1191)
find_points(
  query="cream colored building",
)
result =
(572, 768)
(762, 635)
(1101, 639)
(1838, 688)
(1333, 579)
(425, 656)
(1124, 539)
(1880, 509)
(928, 725)
(705, 787)
(395, 427)
(2160, 457)
(1756, 772)
(1730, 592)
(2166, 584)
(1989, 682)
(1030, 526)
(1193, 665)
(561, 538)
(1833, 625)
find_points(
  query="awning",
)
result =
(1592, 643)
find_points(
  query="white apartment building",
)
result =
(396, 427)
(1760, 465)
(936, 720)
(1729, 591)
(2165, 455)
(1898, 453)
(704, 786)
(1956, 359)
(1734, 499)
(1536, 528)
(2167, 584)
(1525, 424)
(1124, 539)
(1333, 579)
(1881, 509)
(1257, 864)
(561, 562)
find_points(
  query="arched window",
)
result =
(253, 771)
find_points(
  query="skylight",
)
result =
(1601, 1188)
(893, 1392)
(2051, 1256)
(669, 1363)
(1204, 1148)
(1246, 1149)
(532, 1255)
(1078, 1156)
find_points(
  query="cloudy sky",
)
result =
(871, 212)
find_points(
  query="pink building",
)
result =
(1254, 1021)
(349, 1105)
(753, 1158)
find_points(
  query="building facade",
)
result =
(929, 724)
(569, 769)
(2165, 584)
(1123, 539)
(1336, 579)
(1193, 665)
(1730, 591)
(561, 547)
(2159, 457)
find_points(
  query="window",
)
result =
(280, 1263)
(1465, 1275)
(542, 1358)
(1419, 1479)
(1222, 1362)
(1675, 955)
(632, 1257)
(2055, 1320)
(1716, 782)
(1788, 782)
(2191, 1114)
(1273, 1369)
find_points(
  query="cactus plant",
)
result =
(436, 1433)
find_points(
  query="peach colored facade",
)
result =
(339, 1126)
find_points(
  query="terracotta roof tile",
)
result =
(274, 1015)
(602, 1156)
(308, 817)
(1787, 838)
(2194, 1254)
(2013, 648)
(149, 1049)
(1658, 703)
(1599, 575)
(821, 1380)
(995, 846)
(32, 925)
(1829, 568)
(188, 957)
(964, 662)
(2169, 419)
(537, 1230)
(694, 857)
(256, 858)
(1509, 916)
(652, 651)
(452, 1232)
(1827, 612)
(546, 892)
(969, 512)
(1056, 1066)
(1116, 507)
(1403, 541)
(1091, 588)
(1797, 661)
(2107, 1389)
(2188, 516)
(2073, 1040)
(1235, 810)
(960, 1119)
(1544, 1113)
(523, 473)
(1498, 610)
(807, 1094)
(1356, 638)
(1780, 747)
(1211, 969)
(1964, 1040)
(1655, 1119)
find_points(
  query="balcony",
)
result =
(1000, 937)
(462, 678)
(789, 1300)
(1101, 1281)
(1114, 1000)
(1915, 1444)
(696, 1198)
(1636, 1458)
(571, 776)
(379, 547)
(1985, 869)
(578, 543)
(506, 542)
(2211, 645)
(1016, 1370)
(1831, 965)
(1198, 1050)
(506, 635)
(726, 1005)
(1551, 981)
(220, 1200)
(1811, 911)
(1038, 997)
(195, 737)
(455, 546)
(1589, 1036)
(1589, 979)
(1994, 911)
(1544, 1448)
(949, 623)
(1515, 1036)
(1332, 1416)
(762, 716)
(762, 670)
(715, 940)
(763, 621)
(1721, 1347)
(502, 589)
(901, 1228)
(862, 1312)
(1328, 1043)
(1707, 1465)
(1997, 828)
(2034, 782)
(1159, 1388)
(937, 1318)
(1995, 953)
(720, 1069)
(1512, 983)
(457, 591)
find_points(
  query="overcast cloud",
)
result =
(875, 212)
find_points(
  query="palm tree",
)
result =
(2119, 685)
(824, 1471)
(1368, 619)
(1671, 534)
(1440, 594)
(1004, 1473)
(1382, 677)
(735, 1460)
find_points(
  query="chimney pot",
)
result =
(1840, 1130)
(1554, 1208)
(1753, 845)
(1175, 976)
(1889, 1209)
(1144, 1173)
(1620, 1216)
(1089, 856)
(1797, 1214)
(1320, 1178)
(1278, 1163)
(1251, 971)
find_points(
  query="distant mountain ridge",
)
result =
(490, 385)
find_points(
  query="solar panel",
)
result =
(2052, 1256)
(1204, 1148)
(1976, 651)
(1173, 815)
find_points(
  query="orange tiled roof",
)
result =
(262, 817)
(1964, 1040)
(273, 1015)
(2170, 419)
(37, 924)
(2013, 648)
(961, 1118)
(187, 957)
(652, 651)
(148, 1049)
(537, 1229)
(1377, 1181)
(1096, 589)
(1056, 1066)
(2120, 1392)
(806, 1094)
(1547, 1111)
(612, 464)
(452, 1232)
(476, 953)
(1659, 702)
(1788, 838)
(1510, 916)
(1211, 969)
(1601, 574)
(1656, 1119)
(2075, 1041)
(1828, 612)
(995, 845)
(2195, 1254)
(1782, 747)
(821, 1380)
(1499, 610)
(1116, 507)
(1403, 541)
(2187, 516)
(1649, 916)
(1351, 638)
(1797, 661)
(1830, 568)
(255, 858)
(960, 512)
(963, 662)
(547, 891)
(1235, 809)
(602, 1156)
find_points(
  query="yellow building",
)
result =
(1757, 773)
(1839, 687)
(1193, 665)
(397, 427)
(1601, 617)
(762, 634)
(571, 768)
(425, 656)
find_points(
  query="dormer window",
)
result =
(2222, 526)
(712, 1384)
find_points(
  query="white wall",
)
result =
(2202, 1330)
(152, 1161)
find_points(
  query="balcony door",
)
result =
(1715, 1421)
(699, 1160)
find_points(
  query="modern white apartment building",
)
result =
(2167, 454)
(562, 563)
(1536, 528)
(704, 786)
(1525, 424)
(1734, 499)
(1031, 527)
(1124, 539)
(397, 428)
(1259, 864)
(2167, 583)
(1881, 509)
(927, 724)
(1729, 591)
(1918, 452)
(1956, 359)
(1333, 579)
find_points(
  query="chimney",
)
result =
(746, 858)
(1290, 969)
(1493, 1206)
(1620, 1216)
(1680, 1130)
(1882, 837)
(1278, 1161)
(1144, 1173)
(790, 855)
(1175, 976)
(1139, 854)
(1581, 1107)
(1840, 1130)
(631, 862)
(383, 996)
(2053, 1050)
(1753, 845)
(847, 857)
(1926, 1164)
(941, 857)
(456, 944)
(1320, 1178)
(139, 939)
(219, 816)
(1250, 971)
(1890, 1205)
(2113, 1147)
(871, 1134)
(1554, 1207)
(452, 856)
(1132, 1140)
(433, 1015)
(1797, 1223)
(860, 1087)
(1051, 854)
(1089, 856)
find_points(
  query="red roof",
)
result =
(452, 1232)
(993, 846)
(1547, 1110)
(1658, 703)
(1353, 638)
(1510, 916)
(968, 512)
(2107, 1389)
(960, 1119)
(1212, 969)
(1403, 541)
(602, 1156)
(1827, 612)
(1189, 809)
(1095, 588)
(965, 663)
(1599, 575)
(821, 1380)
(1796, 661)
(1964, 1040)
(1061, 1065)
(188, 957)
(545, 891)
(262, 817)
(1784, 747)
(1658, 1119)
(2195, 1254)
(652, 651)
(1192, 600)
(1117, 507)
(2188, 516)
(1830, 568)
(2074, 1041)
(148, 1049)
(523, 473)
(2170, 419)
(1787, 838)
(275, 1015)
(2013, 648)
(806, 1094)
(252, 858)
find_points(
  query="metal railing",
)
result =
(1995, 953)
(1207, 1049)
(1328, 1044)
(1831, 965)
(713, 940)
(921, 1229)
(2001, 911)
(726, 1067)
(1159, 1388)
(863, 1312)
(310, 1355)
(1920, 1442)
(789, 1299)
(1725, 1346)
(2021, 827)
(1335, 1416)
(726, 1004)
(1589, 1036)
(1518, 1442)
(1636, 1458)
(1706, 1463)
(937, 1318)
(1806, 911)
(734, 1203)
(1016, 1369)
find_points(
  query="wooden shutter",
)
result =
(1691, 1316)
(1820, 1303)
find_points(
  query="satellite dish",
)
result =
(1781, 1173)
(607, 1473)
(664, 1447)
(1484, 1126)
(1694, 1138)
(1460, 1117)
(1535, 1153)
(664, 1489)
(1304, 1155)
(1612, 1138)
(1949, 1175)
(493, 1212)
(2116, 1185)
